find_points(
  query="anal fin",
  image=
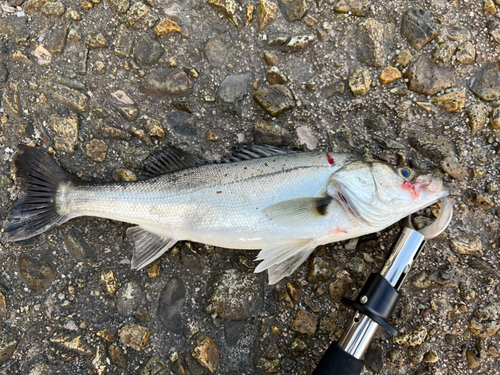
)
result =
(281, 260)
(147, 246)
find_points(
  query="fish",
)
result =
(265, 198)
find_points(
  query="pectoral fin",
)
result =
(282, 259)
(147, 246)
(298, 211)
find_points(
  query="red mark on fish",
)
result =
(411, 188)
(336, 232)
(330, 159)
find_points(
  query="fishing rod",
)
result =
(378, 299)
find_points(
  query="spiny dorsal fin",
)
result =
(247, 151)
(147, 246)
(167, 160)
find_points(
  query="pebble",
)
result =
(374, 358)
(450, 102)
(140, 16)
(389, 74)
(416, 353)
(340, 285)
(371, 41)
(355, 266)
(125, 41)
(170, 304)
(478, 116)
(293, 43)
(485, 83)
(274, 76)
(413, 337)
(417, 28)
(267, 366)
(275, 99)
(216, 52)
(55, 8)
(360, 81)
(467, 245)
(431, 145)
(294, 10)
(130, 113)
(134, 336)
(402, 110)
(108, 334)
(304, 323)
(404, 58)
(466, 53)
(96, 150)
(66, 130)
(99, 364)
(76, 344)
(485, 321)
(472, 360)
(270, 58)
(147, 50)
(73, 15)
(3, 305)
(492, 187)
(235, 295)
(120, 6)
(326, 326)
(232, 91)
(166, 26)
(395, 356)
(459, 34)
(97, 41)
(37, 274)
(117, 356)
(128, 298)
(75, 100)
(266, 14)
(78, 247)
(451, 166)
(4, 73)
(489, 7)
(155, 367)
(167, 83)
(297, 346)
(8, 345)
(206, 353)
(467, 291)
(428, 78)
(293, 291)
(319, 270)
(273, 134)
(360, 8)
(431, 357)
(228, 8)
(495, 118)
(444, 52)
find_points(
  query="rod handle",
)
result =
(336, 361)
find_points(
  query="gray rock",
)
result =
(275, 99)
(140, 16)
(428, 78)
(294, 10)
(485, 83)
(147, 50)
(124, 42)
(355, 266)
(417, 28)
(235, 295)
(485, 320)
(374, 358)
(233, 331)
(232, 92)
(171, 300)
(274, 76)
(433, 146)
(167, 83)
(340, 285)
(155, 367)
(37, 274)
(467, 245)
(216, 52)
(78, 247)
(297, 346)
(394, 356)
(304, 323)
(294, 43)
(182, 124)
(273, 134)
(372, 40)
(319, 270)
(128, 298)
(8, 345)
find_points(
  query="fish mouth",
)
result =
(432, 185)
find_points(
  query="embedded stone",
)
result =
(75, 100)
(140, 16)
(489, 7)
(275, 99)
(495, 118)
(431, 145)
(478, 116)
(453, 167)
(319, 270)
(76, 344)
(166, 26)
(97, 40)
(99, 362)
(78, 247)
(359, 8)
(155, 367)
(450, 102)
(55, 8)
(485, 321)
(96, 150)
(8, 345)
(466, 53)
(167, 83)
(207, 354)
(147, 50)
(124, 41)
(340, 285)
(414, 336)
(110, 281)
(444, 52)
(428, 78)
(128, 298)
(216, 52)
(274, 76)
(416, 353)
(467, 245)
(121, 6)
(389, 74)
(294, 43)
(57, 40)
(232, 91)
(66, 129)
(134, 336)
(304, 323)
(372, 38)
(229, 8)
(117, 356)
(266, 13)
(271, 58)
(360, 81)
(459, 34)
(294, 10)
(170, 303)
(417, 28)
(268, 133)
(485, 83)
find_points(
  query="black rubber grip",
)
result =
(336, 361)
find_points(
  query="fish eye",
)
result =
(406, 173)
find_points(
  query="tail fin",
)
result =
(35, 211)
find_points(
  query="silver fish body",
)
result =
(285, 205)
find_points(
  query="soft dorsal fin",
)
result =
(168, 159)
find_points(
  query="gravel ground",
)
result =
(102, 84)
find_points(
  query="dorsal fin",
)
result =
(168, 159)
(247, 151)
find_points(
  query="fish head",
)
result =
(380, 194)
